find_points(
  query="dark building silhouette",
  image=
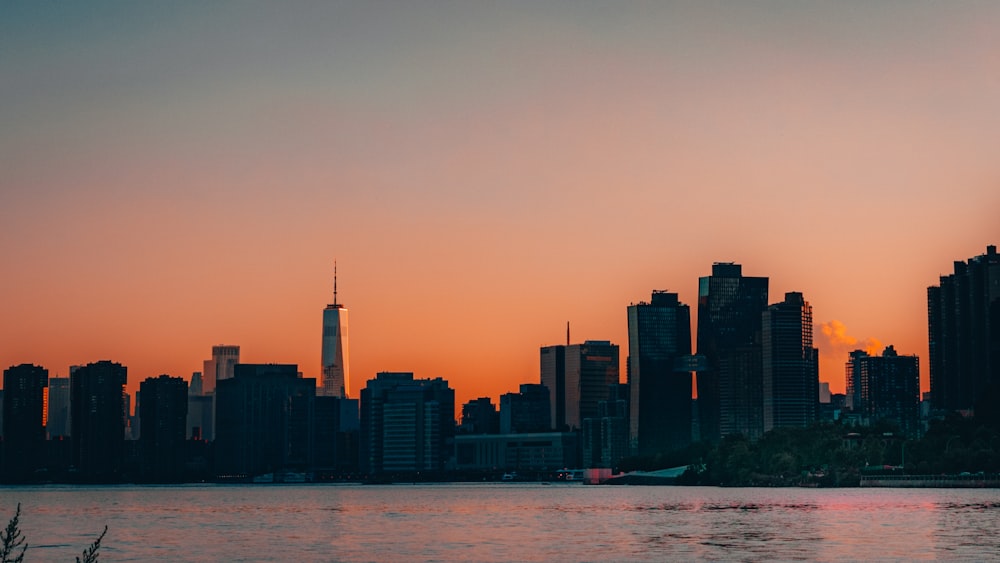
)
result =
(855, 394)
(587, 370)
(963, 315)
(480, 416)
(553, 376)
(407, 425)
(163, 424)
(25, 392)
(791, 364)
(265, 422)
(336, 435)
(890, 389)
(98, 420)
(605, 438)
(730, 391)
(58, 422)
(659, 337)
(527, 411)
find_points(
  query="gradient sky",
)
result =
(178, 175)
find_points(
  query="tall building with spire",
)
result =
(335, 381)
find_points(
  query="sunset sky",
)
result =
(178, 175)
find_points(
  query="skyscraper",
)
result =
(58, 420)
(659, 337)
(730, 391)
(791, 368)
(25, 393)
(963, 315)
(553, 376)
(98, 414)
(889, 389)
(335, 357)
(163, 421)
(220, 367)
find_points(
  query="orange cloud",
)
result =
(838, 339)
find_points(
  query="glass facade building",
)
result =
(791, 364)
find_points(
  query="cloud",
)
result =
(838, 341)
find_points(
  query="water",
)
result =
(503, 522)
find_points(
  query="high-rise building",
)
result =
(406, 424)
(791, 364)
(24, 401)
(163, 420)
(98, 414)
(587, 371)
(963, 315)
(889, 389)
(220, 367)
(730, 391)
(659, 337)
(854, 394)
(336, 436)
(265, 422)
(336, 359)
(59, 413)
(480, 416)
(606, 437)
(527, 411)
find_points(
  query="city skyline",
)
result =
(180, 178)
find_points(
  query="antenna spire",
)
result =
(334, 283)
(567, 333)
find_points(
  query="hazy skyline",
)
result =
(179, 176)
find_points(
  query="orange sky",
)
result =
(174, 179)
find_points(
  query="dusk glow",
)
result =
(177, 177)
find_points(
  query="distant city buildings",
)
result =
(98, 420)
(220, 367)
(58, 421)
(730, 391)
(659, 339)
(790, 364)
(163, 423)
(335, 357)
(527, 411)
(963, 318)
(24, 411)
(480, 416)
(579, 374)
(886, 388)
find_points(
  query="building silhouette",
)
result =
(59, 408)
(480, 416)
(24, 410)
(790, 364)
(265, 422)
(335, 355)
(730, 391)
(587, 371)
(605, 438)
(407, 425)
(526, 411)
(220, 367)
(889, 389)
(163, 423)
(659, 338)
(963, 314)
(98, 414)
(336, 436)
(553, 377)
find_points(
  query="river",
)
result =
(504, 522)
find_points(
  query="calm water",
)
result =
(490, 522)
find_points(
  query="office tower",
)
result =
(659, 337)
(889, 389)
(963, 320)
(406, 424)
(553, 376)
(336, 436)
(335, 357)
(790, 363)
(586, 371)
(163, 422)
(730, 391)
(265, 422)
(24, 411)
(606, 437)
(854, 394)
(58, 419)
(197, 384)
(527, 411)
(480, 416)
(221, 366)
(98, 420)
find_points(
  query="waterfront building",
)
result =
(587, 370)
(659, 383)
(98, 413)
(889, 389)
(335, 357)
(730, 391)
(407, 425)
(527, 411)
(221, 366)
(265, 422)
(24, 410)
(480, 416)
(790, 364)
(522, 453)
(855, 393)
(963, 319)
(605, 438)
(336, 435)
(57, 423)
(163, 423)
